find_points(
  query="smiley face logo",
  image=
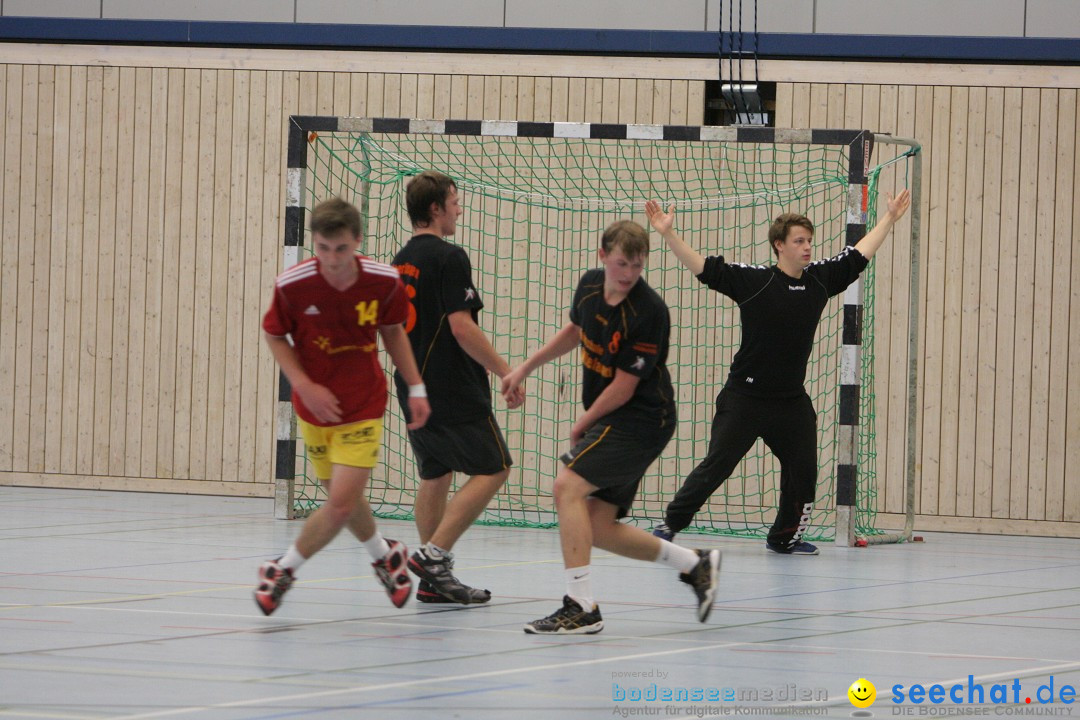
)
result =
(862, 693)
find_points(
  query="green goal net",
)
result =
(535, 207)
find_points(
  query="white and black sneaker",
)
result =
(570, 619)
(703, 579)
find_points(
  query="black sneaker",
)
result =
(703, 580)
(426, 593)
(570, 619)
(438, 573)
(663, 532)
(800, 547)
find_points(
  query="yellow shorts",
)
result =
(354, 445)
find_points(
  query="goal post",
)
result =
(537, 196)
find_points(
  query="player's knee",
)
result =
(568, 487)
(337, 513)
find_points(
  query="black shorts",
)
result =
(475, 447)
(615, 461)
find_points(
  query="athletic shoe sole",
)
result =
(587, 630)
(705, 606)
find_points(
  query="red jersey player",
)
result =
(334, 307)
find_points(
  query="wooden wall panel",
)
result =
(999, 206)
(9, 271)
(141, 233)
(1071, 509)
(1007, 257)
(59, 259)
(1060, 435)
(990, 268)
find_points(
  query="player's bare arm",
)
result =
(476, 344)
(872, 240)
(398, 348)
(614, 396)
(560, 343)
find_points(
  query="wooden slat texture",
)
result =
(1071, 509)
(140, 267)
(952, 246)
(217, 266)
(971, 131)
(989, 270)
(186, 275)
(59, 260)
(1046, 102)
(123, 310)
(202, 240)
(142, 218)
(895, 116)
(39, 216)
(105, 112)
(270, 263)
(936, 104)
(696, 69)
(1064, 255)
(233, 261)
(1023, 317)
(252, 232)
(1007, 257)
(95, 296)
(156, 262)
(9, 272)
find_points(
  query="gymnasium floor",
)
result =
(125, 605)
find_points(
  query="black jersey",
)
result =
(438, 281)
(631, 336)
(780, 315)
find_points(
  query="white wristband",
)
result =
(418, 391)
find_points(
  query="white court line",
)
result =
(422, 681)
(539, 668)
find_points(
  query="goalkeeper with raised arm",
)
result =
(780, 307)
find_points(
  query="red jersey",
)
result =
(335, 332)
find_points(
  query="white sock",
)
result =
(292, 559)
(376, 546)
(676, 556)
(579, 586)
(435, 552)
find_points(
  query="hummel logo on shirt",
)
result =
(639, 363)
(750, 380)
(470, 293)
(312, 310)
(796, 287)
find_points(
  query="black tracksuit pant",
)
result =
(789, 428)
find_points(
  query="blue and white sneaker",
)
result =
(801, 547)
(663, 532)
